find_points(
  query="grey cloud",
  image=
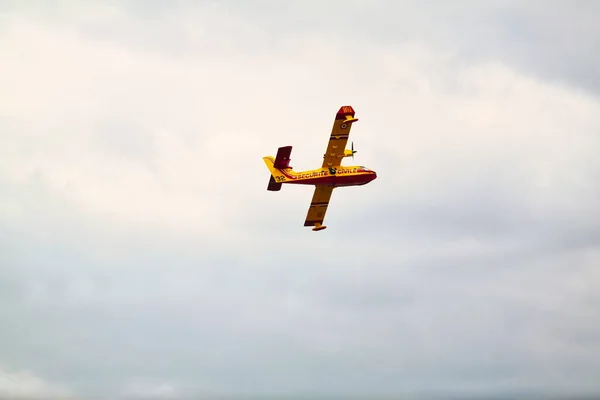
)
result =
(403, 321)
(546, 39)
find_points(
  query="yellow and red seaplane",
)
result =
(331, 174)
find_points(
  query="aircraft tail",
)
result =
(276, 165)
(276, 178)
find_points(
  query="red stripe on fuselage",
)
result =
(287, 175)
(337, 180)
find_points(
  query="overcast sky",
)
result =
(141, 255)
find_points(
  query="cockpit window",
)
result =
(364, 168)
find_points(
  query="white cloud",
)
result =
(25, 384)
(159, 139)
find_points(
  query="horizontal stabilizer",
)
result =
(282, 160)
(273, 185)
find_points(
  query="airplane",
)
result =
(331, 174)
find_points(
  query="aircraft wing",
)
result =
(339, 137)
(318, 205)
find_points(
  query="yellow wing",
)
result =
(318, 207)
(339, 137)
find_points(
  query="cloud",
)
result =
(27, 385)
(146, 390)
(140, 253)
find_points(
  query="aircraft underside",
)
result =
(346, 180)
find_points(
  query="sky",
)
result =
(141, 255)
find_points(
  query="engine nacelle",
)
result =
(349, 153)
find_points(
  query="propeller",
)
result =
(352, 147)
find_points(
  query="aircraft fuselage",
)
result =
(338, 176)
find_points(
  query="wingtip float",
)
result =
(331, 174)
